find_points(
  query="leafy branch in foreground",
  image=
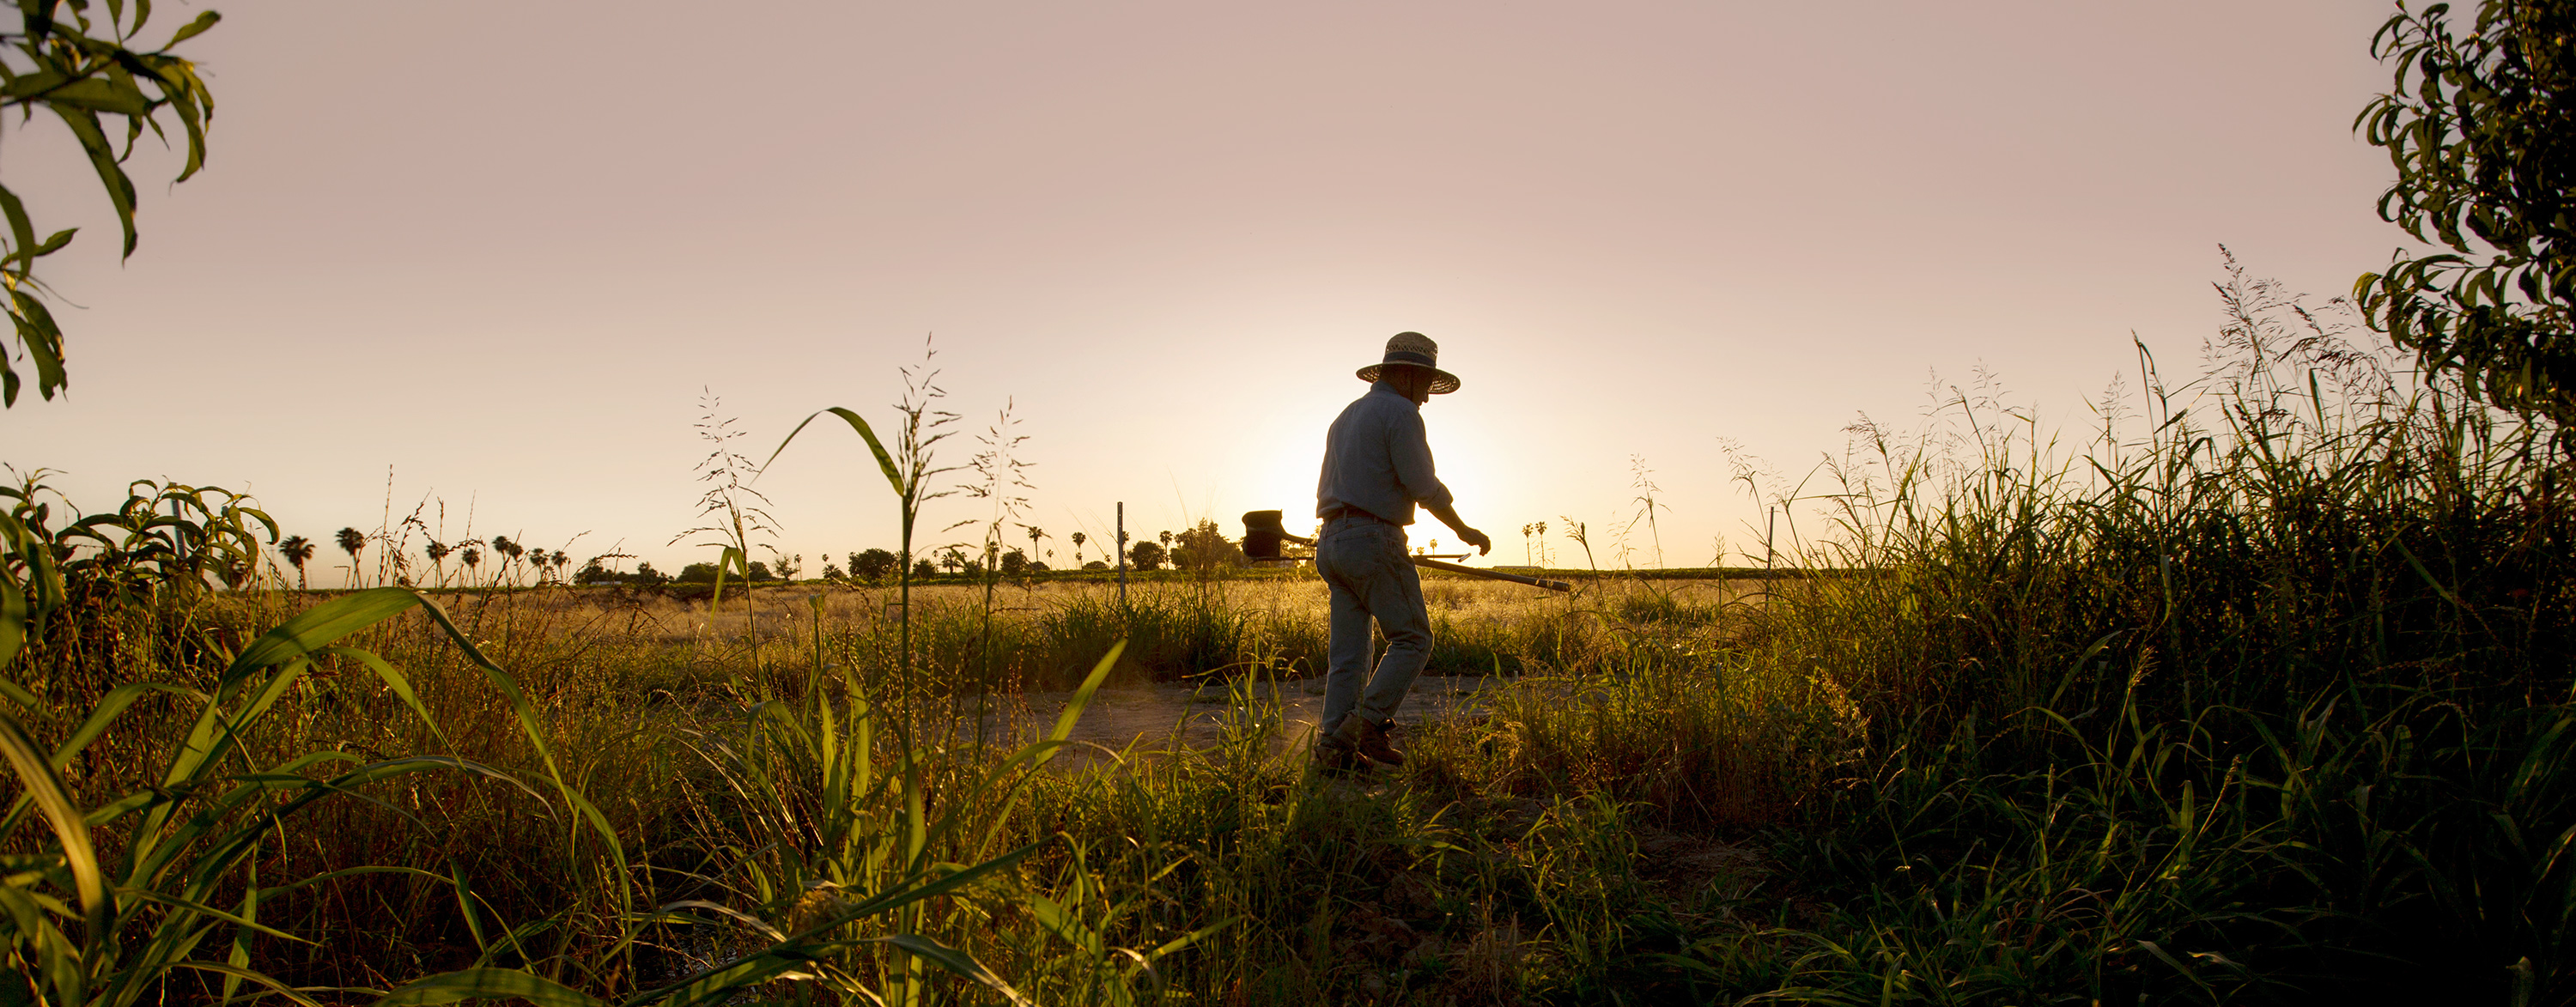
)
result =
(2482, 132)
(81, 69)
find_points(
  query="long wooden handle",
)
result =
(1552, 585)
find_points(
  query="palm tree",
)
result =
(510, 553)
(298, 551)
(1035, 533)
(351, 541)
(1078, 539)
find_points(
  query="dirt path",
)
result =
(1162, 718)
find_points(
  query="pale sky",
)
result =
(501, 248)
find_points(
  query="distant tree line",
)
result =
(1202, 547)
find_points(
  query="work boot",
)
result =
(1335, 758)
(1368, 738)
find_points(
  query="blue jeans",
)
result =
(1365, 564)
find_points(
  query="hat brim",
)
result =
(1442, 382)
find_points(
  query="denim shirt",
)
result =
(1377, 459)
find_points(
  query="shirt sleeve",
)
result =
(1410, 448)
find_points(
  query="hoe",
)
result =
(1262, 533)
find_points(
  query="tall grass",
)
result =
(2257, 693)
(2267, 700)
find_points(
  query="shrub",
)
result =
(876, 566)
(1204, 548)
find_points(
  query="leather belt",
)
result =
(1349, 512)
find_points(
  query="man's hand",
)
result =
(1449, 516)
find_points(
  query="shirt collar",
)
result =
(1381, 387)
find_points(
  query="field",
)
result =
(2263, 702)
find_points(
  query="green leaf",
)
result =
(308, 632)
(13, 630)
(395, 681)
(173, 901)
(42, 339)
(73, 833)
(1053, 917)
(488, 984)
(16, 693)
(1082, 696)
(102, 156)
(106, 712)
(193, 29)
(239, 973)
(1193, 937)
(527, 717)
(720, 983)
(28, 85)
(1015, 769)
(101, 94)
(56, 960)
(957, 962)
(22, 230)
(891, 900)
(885, 462)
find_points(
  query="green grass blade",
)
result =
(527, 716)
(108, 709)
(395, 681)
(722, 983)
(891, 900)
(488, 984)
(1082, 695)
(233, 972)
(957, 963)
(57, 962)
(200, 909)
(306, 633)
(13, 631)
(37, 775)
(1016, 769)
(885, 462)
(1193, 937)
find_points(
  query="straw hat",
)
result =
(1415, 349)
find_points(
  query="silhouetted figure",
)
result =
(1377, 468)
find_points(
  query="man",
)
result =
(1377, 468)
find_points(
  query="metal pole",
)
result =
(1122, 554)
